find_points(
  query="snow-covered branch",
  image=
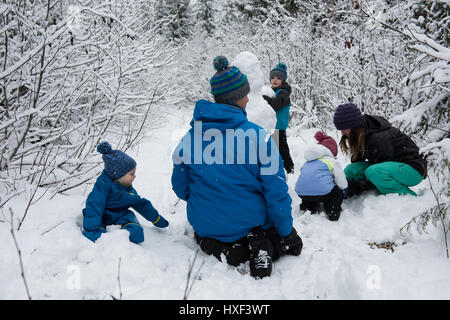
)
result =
(71, 86)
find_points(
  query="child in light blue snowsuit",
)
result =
(113, 195)
(321, 178)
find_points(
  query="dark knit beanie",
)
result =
(280, 71)
(229, 84)
(347, 116)
(327, 141)
(117, 163)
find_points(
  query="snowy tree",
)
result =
(204, 12)
(178, 19)
(424, 25)
(432, 18)
(291, 6)
(258, 9)
(78, 78)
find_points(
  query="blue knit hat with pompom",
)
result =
(117, 163)
(229, 84)
(280, 71)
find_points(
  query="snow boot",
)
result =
(333, 216)
(235, 253)
(356, 187)
(260, 248)
(311, 206)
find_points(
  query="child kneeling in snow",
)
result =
(322, 178)
(113, 195)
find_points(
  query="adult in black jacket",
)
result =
(382, 156)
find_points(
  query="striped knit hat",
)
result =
(228, 84)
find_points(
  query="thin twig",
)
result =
(22, 273)
(52, 228)
(143, 121)
(441, 216)
(188, 288)
(36, 189)
(15, 194)
(118, 280)
(175, 206)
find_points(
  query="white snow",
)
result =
(337, 261)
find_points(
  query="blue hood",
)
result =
(218, 116)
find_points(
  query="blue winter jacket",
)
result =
(320, 173)
(315, 179)
(108, 204)
(230, 175)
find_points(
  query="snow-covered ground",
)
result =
(337, 261)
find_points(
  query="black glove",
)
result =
(267, 98)
(292, 244)
(356, 187)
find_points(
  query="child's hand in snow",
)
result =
(93, 235)
(161, 222)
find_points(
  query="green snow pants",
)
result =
(388, 177)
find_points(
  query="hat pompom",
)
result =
(327, 142)
(220, 63)
(282, 66)
(104, 148)
(319, 136)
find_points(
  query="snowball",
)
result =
(267, 91)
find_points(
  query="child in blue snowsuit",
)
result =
(113, 195)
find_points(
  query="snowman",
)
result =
(258, 110)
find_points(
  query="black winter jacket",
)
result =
(383, 142)
(283, 98)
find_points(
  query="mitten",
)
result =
(161, 222)
(267, 98)
(292, 244)
(93, 235)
